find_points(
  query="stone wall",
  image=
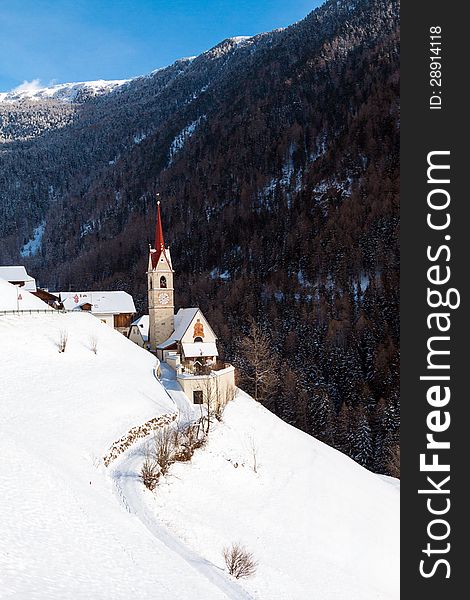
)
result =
(140, 431)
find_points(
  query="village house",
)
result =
(139, 331)
(115, 308)
(185, 341)
(50, 299)
(18, 276)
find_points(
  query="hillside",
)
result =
(277, 160)
(70, 528)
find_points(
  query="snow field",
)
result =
(320, 526)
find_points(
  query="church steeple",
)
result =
(160, 289)
(159, 243)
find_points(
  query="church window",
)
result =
(198, 339)
(197, 397)
(163, 282)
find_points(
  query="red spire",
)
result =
(159, 243)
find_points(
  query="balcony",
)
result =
(196, 368)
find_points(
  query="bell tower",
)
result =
(160, 289)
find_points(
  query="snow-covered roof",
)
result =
(114, 302)
(13, 297)
(183, 320)
(16, 273)
(143, 323)
(200, 349)
(166, 344)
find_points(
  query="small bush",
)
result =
(184, 454)
(164, 445)
(150, 473)
(186, 440)
(62, 341)
(254, 453)
(240, 562)
(94, 344)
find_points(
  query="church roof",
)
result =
(183, 319)
(159, 242)
(200, 349)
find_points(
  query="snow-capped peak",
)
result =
(227, 45)
(67, 92)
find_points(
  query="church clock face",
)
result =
(163, 298)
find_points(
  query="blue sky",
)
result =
(79, 40)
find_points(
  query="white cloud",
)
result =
(28, 86)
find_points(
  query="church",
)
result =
(184, 341)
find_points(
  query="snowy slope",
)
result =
(320, 526)
(66, 92)
(64, 531)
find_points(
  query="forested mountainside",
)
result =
(277, 161)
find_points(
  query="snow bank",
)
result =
(17, 298)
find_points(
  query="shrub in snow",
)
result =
(240, 562)
(253, 449)
(187, 440)
(150, 473)
(94, 344)
(164, 447)
(62, 341)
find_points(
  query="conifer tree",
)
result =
(362, 450)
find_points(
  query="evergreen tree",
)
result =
(362, 445)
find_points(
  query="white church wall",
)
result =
(208, 336)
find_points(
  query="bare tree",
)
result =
(150, 472)
(229, 395)
(164, 448)
(240, 562)
(211, 397)
(394, 461)
(62, 341)
(253, 452)
(261, 369)
(94, 344)
(187, 442)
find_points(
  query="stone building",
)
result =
(185, 341)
